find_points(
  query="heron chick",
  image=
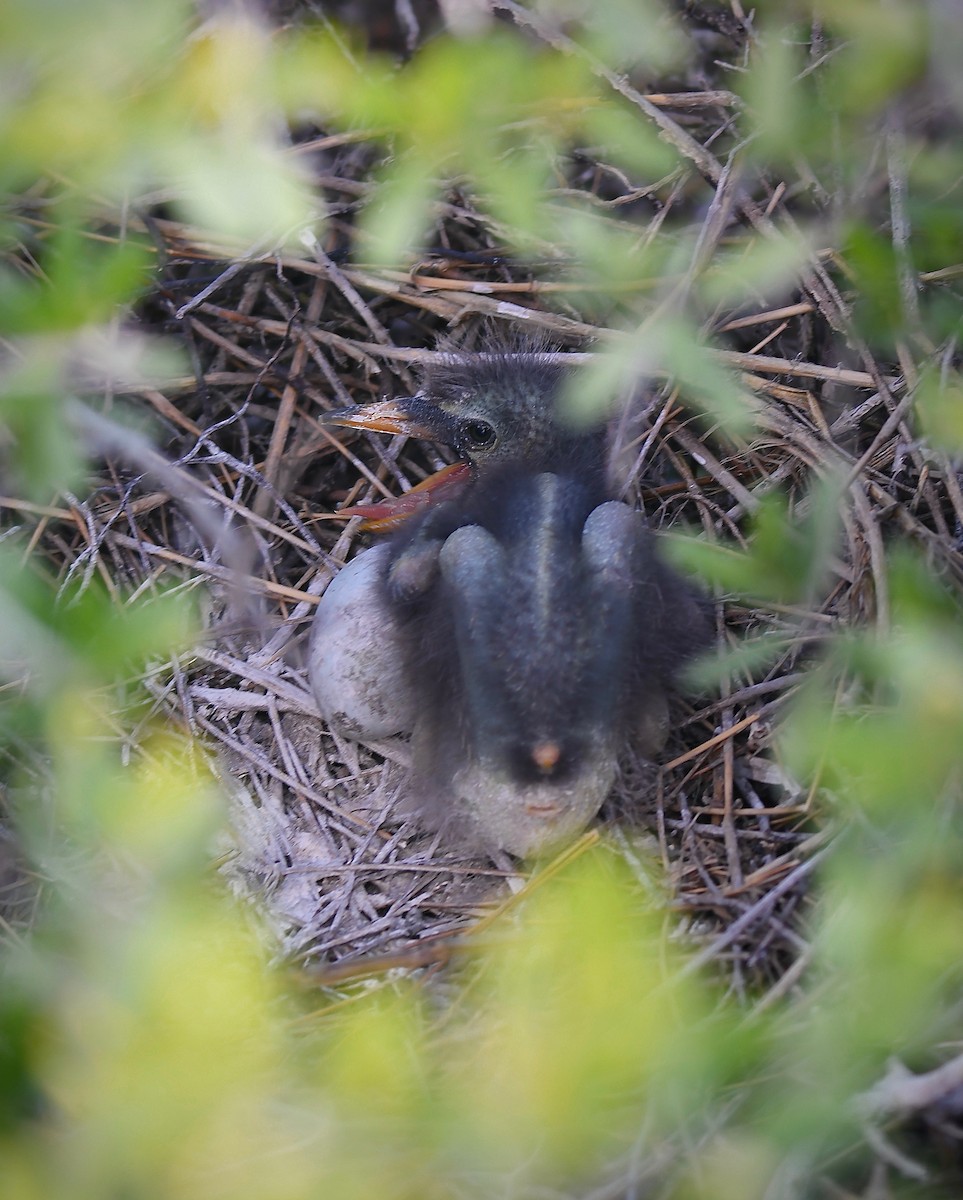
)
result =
(521, 625)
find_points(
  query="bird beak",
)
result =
(386, 416)
(386, 515)
(413, 416)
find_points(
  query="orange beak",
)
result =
(386, 416)
(385, 515)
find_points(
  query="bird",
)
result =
(519, 622)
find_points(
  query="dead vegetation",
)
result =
(243, 515)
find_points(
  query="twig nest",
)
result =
(355, 661)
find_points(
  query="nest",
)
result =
(244, 507)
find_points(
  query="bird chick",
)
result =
(523, 628)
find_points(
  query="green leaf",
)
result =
(939, 404)
(85, 630)
(84, 280)
(762, 271)
(788, 552)
(781, 107)
(705, 382)
(643, 34)
(665, 346)
(618, 136)
(396, 218)
(884, 49)
(878, 307)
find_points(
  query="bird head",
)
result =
(494, 410)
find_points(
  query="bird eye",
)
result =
(480, 435)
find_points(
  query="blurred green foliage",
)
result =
(786, 557)
(146, 1049)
